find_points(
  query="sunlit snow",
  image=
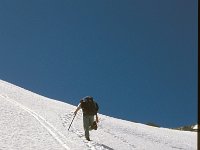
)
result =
(33, 122)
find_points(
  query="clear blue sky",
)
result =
(138, 59)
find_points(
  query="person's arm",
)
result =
(77, 109)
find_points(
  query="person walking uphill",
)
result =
(89, 108)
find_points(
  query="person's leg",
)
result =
(91, 120)
(86, 124)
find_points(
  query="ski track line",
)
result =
(50, 128)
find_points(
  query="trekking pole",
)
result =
(71, 122)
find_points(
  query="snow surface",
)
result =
(33, 122)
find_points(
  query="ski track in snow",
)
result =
(59, 137)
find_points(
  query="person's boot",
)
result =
(87, 138)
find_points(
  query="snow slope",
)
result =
(33, 122)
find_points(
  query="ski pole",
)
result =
(71, 122)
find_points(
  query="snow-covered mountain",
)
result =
(193, 128)
(33, 122)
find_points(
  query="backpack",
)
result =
(89, 107)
